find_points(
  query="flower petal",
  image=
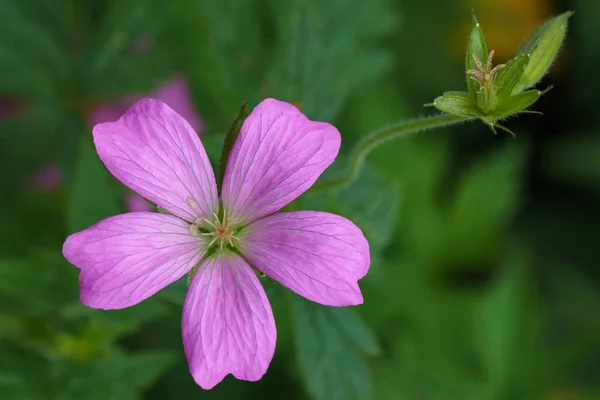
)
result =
(127, 258)
(318, 255)
(278, 155)
(155, 152)
(228, 326)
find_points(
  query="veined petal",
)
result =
(278, 155)
(127, 258)
(228, 326)
(155, 152)
(318, 255)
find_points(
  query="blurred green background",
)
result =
(484, 281)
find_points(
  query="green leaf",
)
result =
(487, 196)
(328, 50)
(35, 61)
(132, 73)
(543, 47)
(119, 323)
(116, 376)
(37, 285)
(112, 65)
(224, 51)
(476, 47)
(509, 76)
(457, 103)
(119, 376)
(127, 374)
(331, 343)
(92, 197)
(121, 23)
(508, 324)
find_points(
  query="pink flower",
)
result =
(228, 325)
(174, 92)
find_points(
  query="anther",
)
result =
(191, 202)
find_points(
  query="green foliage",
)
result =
(331, 344)
(47, 275)
(34, 60)
(72, 348)
(117, 61)
(107, 376)
(328, 50)
(491, 187)
(120, 376)
(508, 332)
(92, 197)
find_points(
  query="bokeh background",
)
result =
(484, 281)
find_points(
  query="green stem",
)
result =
(370, 142)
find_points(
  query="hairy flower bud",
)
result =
(497, 92)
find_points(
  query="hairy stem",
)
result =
(370, 142)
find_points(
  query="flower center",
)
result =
(220, 232)
(485, 76)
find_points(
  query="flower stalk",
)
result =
(370, 142)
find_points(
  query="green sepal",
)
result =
(509, 76)
(518, 103)
(476, 47)
(457, 103)
(543, 46)
(156, 207)
(162, 210)
(230, 138)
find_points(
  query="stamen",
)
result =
(486, 77)
(489, 61)
(221, 231)
(477, 62)
(212, 241)
(210, 223)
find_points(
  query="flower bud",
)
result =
(497, 92)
